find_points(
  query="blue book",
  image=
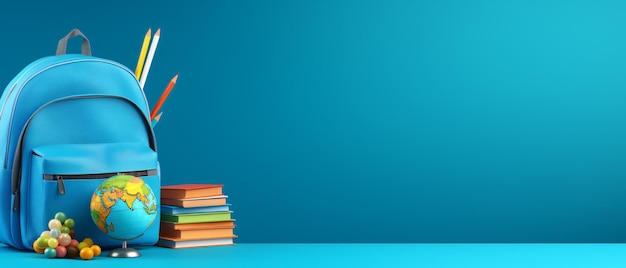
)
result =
(179, 210)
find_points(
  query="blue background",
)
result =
(376, 121)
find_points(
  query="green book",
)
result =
(196, 217)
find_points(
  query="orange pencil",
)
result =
(167, 91)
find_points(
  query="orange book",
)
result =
(196, 234)
(195, 202)
(182, 191)
(197, 226)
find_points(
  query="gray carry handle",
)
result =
(85, 49)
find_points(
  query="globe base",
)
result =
(124, 253)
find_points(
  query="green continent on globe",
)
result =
(125, 188)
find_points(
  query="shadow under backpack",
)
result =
(68, 123)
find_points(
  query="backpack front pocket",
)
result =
(64, 177)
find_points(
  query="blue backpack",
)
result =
(67, 124)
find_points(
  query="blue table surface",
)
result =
(351, 255)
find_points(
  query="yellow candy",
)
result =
(86, 253)
(53, 242)
(96, 250)
(89, 241)
(38, 249)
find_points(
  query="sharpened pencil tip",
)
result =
(158, 32)
(175, 78)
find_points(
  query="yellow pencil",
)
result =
(142, 53)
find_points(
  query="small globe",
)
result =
(123, 207)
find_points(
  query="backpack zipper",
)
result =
(60, 183)
(61, 178)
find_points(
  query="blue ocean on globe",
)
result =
(126, 224)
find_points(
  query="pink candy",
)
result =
(61, 251)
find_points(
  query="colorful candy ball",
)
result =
(96, 250)
(65, 240)
(86, 253)
(42, 242)
(60, 241)
(53, 242)
(82, 245)
(69, 222)
(61, 251)
(54, 224)
(37, 248)
(55, 233)
(50, 253)
(45, 234)
(72, 252)
(89, 241)
(60, 216)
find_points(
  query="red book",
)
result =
(183, 191)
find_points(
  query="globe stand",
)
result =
(124, 252)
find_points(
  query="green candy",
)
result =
(60, 216)
(69, 222)
(65, 230)
(42, 242)
(82, 245)
(50, 253)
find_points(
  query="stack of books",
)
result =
(195, 215)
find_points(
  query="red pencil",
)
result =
(167, 91)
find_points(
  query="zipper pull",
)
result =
(61, 184)
(16, 201)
